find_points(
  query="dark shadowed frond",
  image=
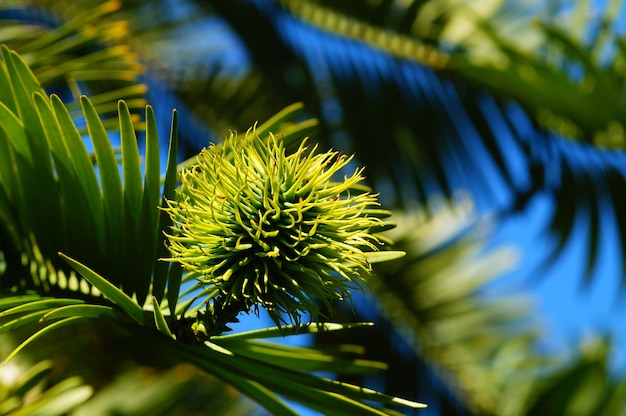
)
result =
(476, 342)
(556, 59)
(584, 384)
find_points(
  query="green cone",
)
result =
(274, 230)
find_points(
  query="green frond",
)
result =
(566, 70)
(181, 389)
(153, 387)
(400, 44)
(433, 295)
(240, 361)
(65, 203)
(32, 393)
(503, 48)
(85, 50)
(584, 384)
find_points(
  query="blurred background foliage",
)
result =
(468, 116)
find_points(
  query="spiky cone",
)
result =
(274, 230)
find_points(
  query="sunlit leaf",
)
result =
(114, 294)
